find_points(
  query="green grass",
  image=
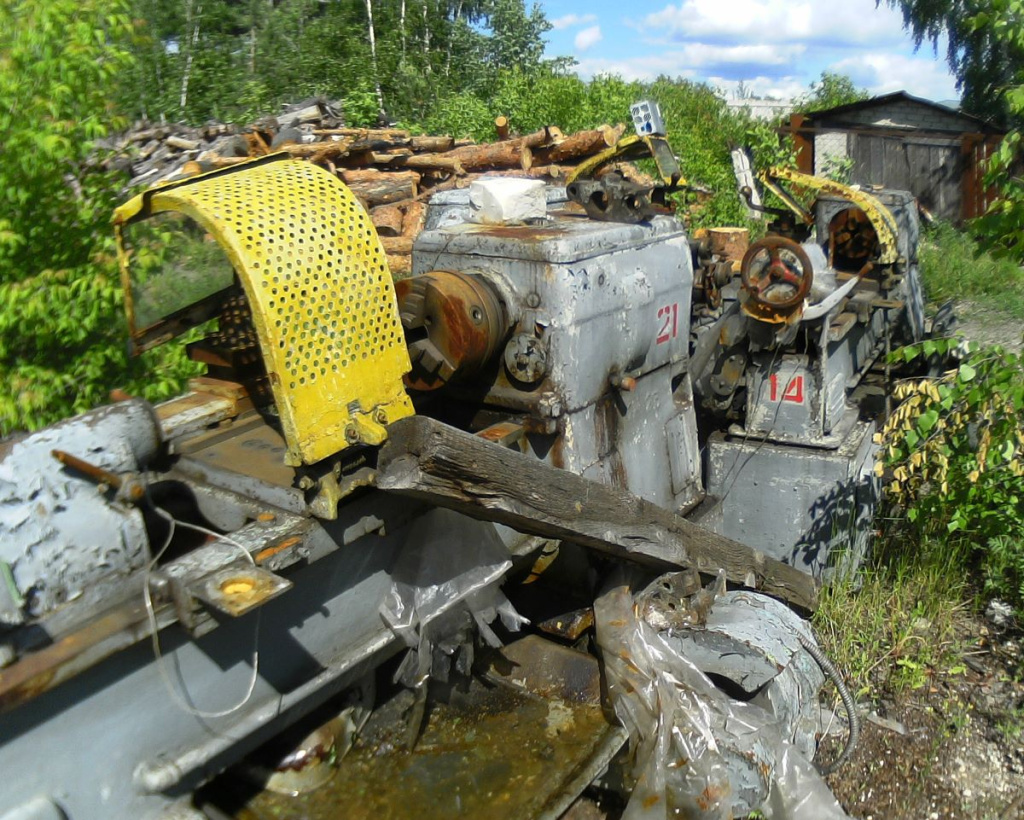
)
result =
(897, 630)
(953, 267)
(174, 266)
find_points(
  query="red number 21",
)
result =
(669, 316)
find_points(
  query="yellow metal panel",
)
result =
(322, 298)
(881, 217)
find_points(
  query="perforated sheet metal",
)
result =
(321, 295)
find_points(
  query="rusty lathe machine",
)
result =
(575, 456)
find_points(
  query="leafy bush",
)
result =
(954, 451)
(62, 331)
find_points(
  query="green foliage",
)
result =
(702, 129)
(983, 47)
(517, 35)
(192, 56)
(830, 91)
(1002, 226)
(954, 266)
(954, 455)
(56, 58)
(62, 339)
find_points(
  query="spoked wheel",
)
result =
(776, 274)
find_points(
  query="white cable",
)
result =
(183, 701)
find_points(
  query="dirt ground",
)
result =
(953, 748)
(986, 327)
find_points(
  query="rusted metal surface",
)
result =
(522, 745)
(454, 324)
(852, 240)
(520, 233)
(506, 433)
(776, 275)
(238, 589)
(615, 199)
(70, 654)
(569, 625)
(880, 216)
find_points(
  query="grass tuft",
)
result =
(953, 267)
(898, 629)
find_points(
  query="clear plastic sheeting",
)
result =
(695, 752)
(446, 590)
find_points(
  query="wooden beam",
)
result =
(428, 460)
(804, 145)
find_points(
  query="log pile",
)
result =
(392, 171)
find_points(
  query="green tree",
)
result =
(829, 91)
(517, 35)
(1002, 227)
(62, 337)
(984, 60)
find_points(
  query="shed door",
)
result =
(929, 168)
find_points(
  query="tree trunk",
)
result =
(580, 144)
(191, 41)
(373, 58)
(381, 187)
(387, 219)
(426, 37)
(451, 37)
(401, 28)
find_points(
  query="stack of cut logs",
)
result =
(392, 171)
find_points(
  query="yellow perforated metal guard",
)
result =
(322, 299)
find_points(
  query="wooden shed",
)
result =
(904, 142)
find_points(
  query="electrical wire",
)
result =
(844, 693)
(183, 701)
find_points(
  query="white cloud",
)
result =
(699, 55)
(882, 72)
(690, 60)
(771, 88)
(587, 38)
(852, 22)
(570, 20)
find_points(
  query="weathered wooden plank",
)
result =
(426, 459)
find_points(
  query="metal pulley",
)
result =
(454, 324)
(776, 275)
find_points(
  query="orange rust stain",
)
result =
(498, 431)
(270, 552)
(651, 800)
(520, 232)
(27, 690)
(710, 797)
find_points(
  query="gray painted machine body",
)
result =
(608, 302)
(794, 477)
(43, 509)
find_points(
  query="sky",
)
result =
(775, 47)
